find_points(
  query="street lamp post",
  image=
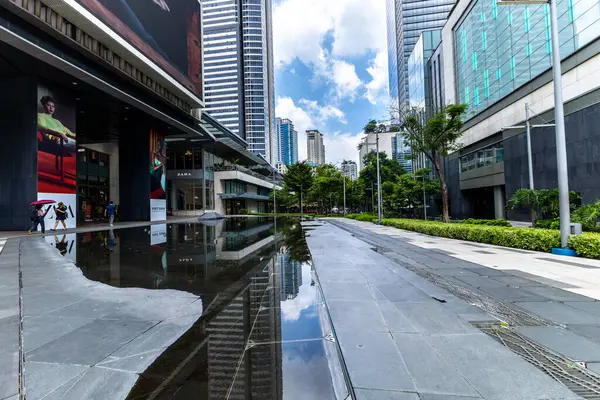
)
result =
(378, 181)
(559, 117)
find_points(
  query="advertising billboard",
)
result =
(165, 31)
(158, 177)
(57, 154)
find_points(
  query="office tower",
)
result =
(402, 153)
(368, 144)
(349, 169)
(286, 142)
(315, 147)
(392, 50)
(239, 71)
(412, 18)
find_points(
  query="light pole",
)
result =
(344, 183)
(559, 117)
(378, 181)
(301, 209)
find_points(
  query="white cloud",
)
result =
(307, 114)
(377, 88)
(345, 78)
(357, 27)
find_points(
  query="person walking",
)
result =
(37, 218)
(110, 212)
(61, 215)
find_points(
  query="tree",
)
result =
(299, 178)
(284, 199)
(435, 138)
(409, 190)
(328, 186)
(540, 202)
(389, 171)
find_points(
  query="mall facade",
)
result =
(103, 101)
(496, 58)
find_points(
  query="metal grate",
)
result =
(573, 375)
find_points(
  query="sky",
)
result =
(331, 70)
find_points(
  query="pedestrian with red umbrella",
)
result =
(38, 213)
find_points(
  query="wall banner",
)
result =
(158, 177)
(57, 154)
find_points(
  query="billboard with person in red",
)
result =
(57, 151)
(158, 176)
(165, 31)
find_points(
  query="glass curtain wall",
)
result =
(500, 48)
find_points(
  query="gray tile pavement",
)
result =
(564, 342)
(430, 349)
(81, 339)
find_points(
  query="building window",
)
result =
(488, 156)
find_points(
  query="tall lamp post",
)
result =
(378, 181)
(559, 116)
(344, 182)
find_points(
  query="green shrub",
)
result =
(553, 223)
(586, 245)
(526, 239)
(588, 216)
(363, 217)
(489, 222)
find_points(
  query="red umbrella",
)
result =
(35, 203)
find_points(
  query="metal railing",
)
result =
(239, 168)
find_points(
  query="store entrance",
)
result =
(235, 206)
(93, 183)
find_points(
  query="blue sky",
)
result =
(331, 69)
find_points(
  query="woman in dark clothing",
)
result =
(61, 215)
(38, 218)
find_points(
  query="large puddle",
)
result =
(263, 332)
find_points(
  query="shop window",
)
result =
(197, 159)
(170, 160)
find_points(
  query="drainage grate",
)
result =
(573, 375)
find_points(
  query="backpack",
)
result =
(33, 214)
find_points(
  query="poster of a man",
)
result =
(56, 143)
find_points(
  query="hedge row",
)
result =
(363, 217)
(586, 245)
(490, 222)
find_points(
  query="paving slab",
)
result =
(395, 321)
(9, 373)
(559, 313)
(517, 281)
(589, 331)
(513, 294)
(587, 306)
(557, 294)
(428, 369)
(402, 292)
(43, 329)
(435, 396)
(370, 394)
(44, 378)
(484, 364)
(96, 383)
(356, 315)
(478, 281)
(347, 291)
(90, 343)
(564, 342)
(432, 318)
(373, 361)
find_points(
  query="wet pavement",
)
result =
(177, 311)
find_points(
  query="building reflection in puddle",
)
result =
(264, 332)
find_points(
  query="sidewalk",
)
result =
(404, 337)
(95, 227)
(576, 275)
(80, 338)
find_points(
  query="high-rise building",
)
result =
(368, 144)
(349, 169)
(402, 153)
(286, 142)
(411, 18)
(315, 147)
(239, 78)
(392, 50)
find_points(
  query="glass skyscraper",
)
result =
(412, 17)
(500, 48)
(392, 47)
(239, 71)
(286, 140)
